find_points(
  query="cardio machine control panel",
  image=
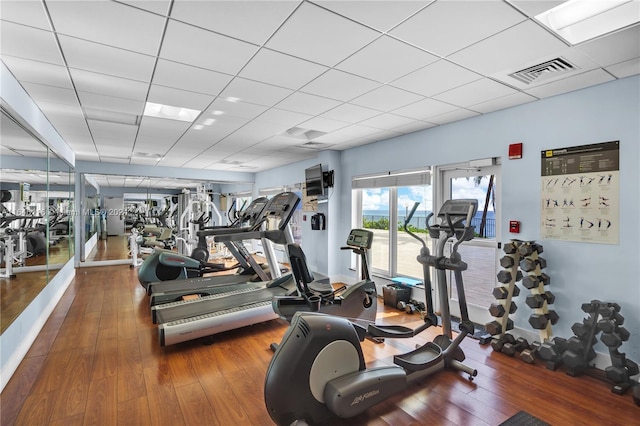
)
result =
(360, 238)
(458, 210)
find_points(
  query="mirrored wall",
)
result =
(154, 206)
(36, 217)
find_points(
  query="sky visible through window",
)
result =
(377, 199)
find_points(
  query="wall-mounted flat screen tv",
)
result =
(314, 181)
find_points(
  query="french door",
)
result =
(482, 253)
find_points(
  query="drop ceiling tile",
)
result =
(283, 117)
(186, 77)
(50, 94)
(268, 66)
(307, 104)
(234, 109)
(195, 46)
(323, 124)
(30, 13)
(111, 103)
(115, 134)
(445, 27)
(29, 43)
(161, 130)
(254, 92)
(339, 85)
(475, 92)
(435, 78)
(179, 98)
(109, 23)
(626, 42)
(101, 84)
(144, 161)
(108, 60)
(502, 103)
(252, 21)
(425, 108)
(386, 59)
(625, 69)
(320, 36)
(386, 98)
(346, 134)
(386, 121)
(449, 117)
(380, 15)
(510, 49)
(108, 150)
(160, 7)
(152, 146)
(350, 113)
(416, 126)
(26, 70)
(194, 142)
(569, 84)
(535, 7)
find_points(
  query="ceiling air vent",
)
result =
(544, 71)
(314, 145)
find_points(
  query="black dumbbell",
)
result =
(529, 355)
(537, 300)
(511, 247)
(519, 345)
(574, 363)
(539, 321)
(495, 327)
(528, 264)
(533, 281)
(507, 261)
(498, 343)
(527, 248)
(497, 309)
(505, 276)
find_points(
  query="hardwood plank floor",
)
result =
(98, 361)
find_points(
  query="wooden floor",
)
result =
(98, 361)
(17, 293)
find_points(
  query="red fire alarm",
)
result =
(515, 151)
(514, 226)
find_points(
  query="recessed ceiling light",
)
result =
(217, 112)
(580, 20)
(209, 121)
(198, 127)
(232, 99)
(170, 112)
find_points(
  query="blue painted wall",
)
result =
(580, 272)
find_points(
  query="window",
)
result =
(383, 202)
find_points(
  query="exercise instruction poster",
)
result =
(581, 193)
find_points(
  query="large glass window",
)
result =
(383, 204)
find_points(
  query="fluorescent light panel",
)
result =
(581, 20)
(170, 112)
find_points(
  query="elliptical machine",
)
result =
(318, 370)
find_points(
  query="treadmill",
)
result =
(250, 270)
(166, 265)
(232, 306)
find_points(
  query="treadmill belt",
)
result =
(206, 306)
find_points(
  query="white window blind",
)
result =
(414, 178)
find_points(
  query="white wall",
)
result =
(579, 272)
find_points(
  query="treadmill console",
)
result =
(281, 208)
(360, 238)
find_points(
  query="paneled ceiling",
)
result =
(276, 81)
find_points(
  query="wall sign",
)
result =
(581, 193)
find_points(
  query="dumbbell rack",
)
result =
(504, 294)
(603, 318)
(535, 281)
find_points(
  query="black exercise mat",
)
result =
(523, 418)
